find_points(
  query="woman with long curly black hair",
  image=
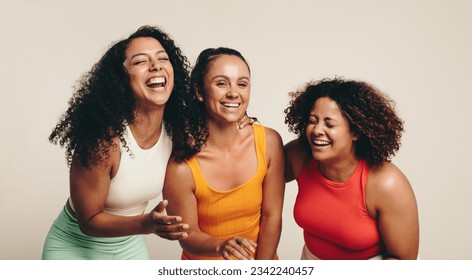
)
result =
(124, 118)
(352, 202)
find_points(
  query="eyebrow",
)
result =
(138, 54)
(325, 119)
(226, 77)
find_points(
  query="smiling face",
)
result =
(227, 89)
(328, 132)
(151, 76)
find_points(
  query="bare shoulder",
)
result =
(296, 153)
(388, 178)
(296, 158)
(388, 187)
(178, 174)
(175, 168)
(273, 137)
(294, 147)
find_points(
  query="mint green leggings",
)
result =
(65, 241)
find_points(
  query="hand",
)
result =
(245, 120)
(239, 247)
(168, 227)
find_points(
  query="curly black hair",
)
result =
(196, 126)
(103, 103)
(370, 114)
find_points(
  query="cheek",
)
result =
(133, 78)
(247, 97)
(170, 71)
(308, 130)
(213, 93)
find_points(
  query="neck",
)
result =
(339, 171)
(147, 126)
(223, 137)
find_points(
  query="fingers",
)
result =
(171, 231)
(168, 227)
(244, 121)
(161, 206)
(164, 219)
(240, 248)
(178, 235)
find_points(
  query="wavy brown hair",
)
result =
(196, 125)
(103, 103)
(370, 113)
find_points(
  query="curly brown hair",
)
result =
(370, 113)
(103, 103)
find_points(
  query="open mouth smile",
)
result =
(230, 105)
(321, 143)
(156, 83)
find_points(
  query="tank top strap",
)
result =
(261, 144)
(364, 174)
(261, 148)
(197, 173)
(364, 170)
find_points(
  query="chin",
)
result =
(318, 156)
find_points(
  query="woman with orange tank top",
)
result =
(352, 201)
(228, 184)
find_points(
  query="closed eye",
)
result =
(312, 120)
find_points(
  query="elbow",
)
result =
(407, 254)
(87, 230)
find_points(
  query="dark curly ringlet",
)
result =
(197, 124)
(370, 114)
(103, 103)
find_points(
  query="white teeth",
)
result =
(156, 80)
(321, 143)
(231, 105)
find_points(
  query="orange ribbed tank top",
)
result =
(237, 212)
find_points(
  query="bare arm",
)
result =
(272, 198)
(89, 189)
(295, 158)
(179, 191)
(395, 208)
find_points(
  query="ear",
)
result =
(355, 136)
(198, 96)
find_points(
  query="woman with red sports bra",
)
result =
(353, 202)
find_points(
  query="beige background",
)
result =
(419, 52)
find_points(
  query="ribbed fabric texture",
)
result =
(237, 212)
(140, 176)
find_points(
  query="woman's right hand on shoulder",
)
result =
(239, 247)
(167, 227)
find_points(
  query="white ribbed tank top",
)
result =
(140, 176)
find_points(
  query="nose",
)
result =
(318, 129)
(232, 92)
(155, 65)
